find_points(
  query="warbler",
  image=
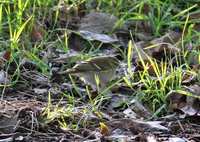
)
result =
(96, 72)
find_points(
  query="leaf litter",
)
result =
(57, 106)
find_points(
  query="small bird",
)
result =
(96, 72)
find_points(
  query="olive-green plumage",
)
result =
(102, 67)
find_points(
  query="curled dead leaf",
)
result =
(164, 45)
(158, 48)
(186, 101)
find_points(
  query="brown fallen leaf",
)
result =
(175, 100)
(98, 22)
(158, 48)
(186, 101)
(164, 45)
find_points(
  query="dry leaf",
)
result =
(164, 45)
(159, 47)
(91, 36)
(98, 22)
(181, 100)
